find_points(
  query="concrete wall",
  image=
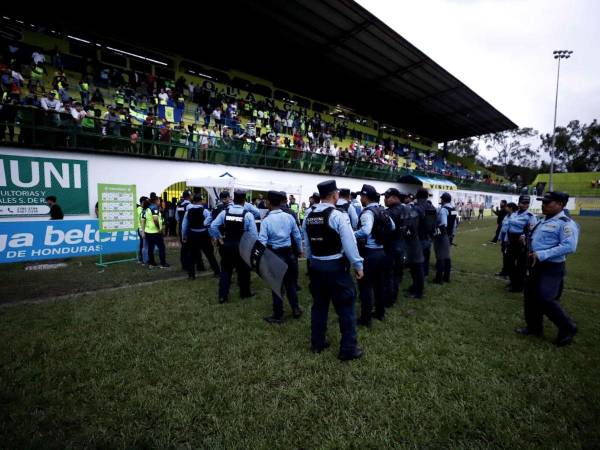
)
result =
(156, 175)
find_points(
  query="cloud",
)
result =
(502, 49)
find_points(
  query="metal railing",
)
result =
(34, 127)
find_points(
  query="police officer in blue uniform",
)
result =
(227, 229)
(520, 225)
(194, 235)
(395, 247)
(296, 249)
(373, 225)
(445, 228)
(331, 249)
(427, 225)
(278, 230)
(343, 204)
(552, 239)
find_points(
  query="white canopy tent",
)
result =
(214, 186)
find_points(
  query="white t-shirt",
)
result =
(78, 115)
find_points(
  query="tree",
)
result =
(464, 148)
(513, 147)
(577, 146)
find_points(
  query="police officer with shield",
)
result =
(552, 239)
(331, 249)
(227, 229)
(278, 230)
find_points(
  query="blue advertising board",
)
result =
(52, 239)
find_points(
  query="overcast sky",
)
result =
(502, 49)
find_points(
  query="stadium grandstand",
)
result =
(369, 105)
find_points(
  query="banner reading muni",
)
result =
(26, 181)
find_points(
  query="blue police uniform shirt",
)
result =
(278, 229)
(366, 227)
(339, 222)
(184, 223)
(442, 217)
(252, 209)
(520, 221)
(249, 225)
(357, 206)
(554, 238)
(351, 212)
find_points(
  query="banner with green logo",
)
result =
(117, 207)
(26, 181)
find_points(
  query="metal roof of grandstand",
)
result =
(330, 50)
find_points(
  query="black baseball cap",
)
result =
(186, 194)
(224, 195)
(344, 192)
(446, 197)
(274, 196)
(393, 192)
(325, 188)
(369, 191)
(524, 199)
(555, 196)
(422, 193)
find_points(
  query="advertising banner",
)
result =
(53, 239)
(117, 207)
(26, 181)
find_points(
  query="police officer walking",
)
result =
(343, 204)
(331, 248)
(445, 226)
(227, 229)
(552, 239)
(370, 235)
(427, 225)
(278, 230)
(520, 225)
(395, 246)
(194, 235)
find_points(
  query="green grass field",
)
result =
(164, 365)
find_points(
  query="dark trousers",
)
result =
(198, 243)
(517, 262)
(330, 281)
(156, 240)
(141, 247)
(418, 279)
(290, 281)
(497, 233)
(542, 297)
(395, 271)
(505, 259)
(372, 285)
(230, 261)
(442, 269)
(426, 246)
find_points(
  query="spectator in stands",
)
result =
(216, 115)
(78, 114)
(212, 137)
(53, 107)
(97, 97)
(36, 78)
(38, 57)
(112, 122)
(55, 210)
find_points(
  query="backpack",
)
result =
(381, 231)
(429, 218)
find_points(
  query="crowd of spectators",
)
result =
(117, 103)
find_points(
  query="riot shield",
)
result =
(270, 267)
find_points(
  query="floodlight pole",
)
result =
(558, 55)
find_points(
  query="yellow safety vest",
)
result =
(150, 226)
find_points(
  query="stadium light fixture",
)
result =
(558, 55)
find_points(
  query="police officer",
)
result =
(296, 249)
(278, 230)
(552, 239)
(509, 209)
(395, 246)
(427, 225)
(227, 229)
(343, 204)
(520, 225)
(182, 205)
(373, 225)
(445, 227)
(331, 248)
(356, 203)
(194, 234)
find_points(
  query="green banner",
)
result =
(26, 181)
(117, 207)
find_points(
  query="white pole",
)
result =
(552, 150)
